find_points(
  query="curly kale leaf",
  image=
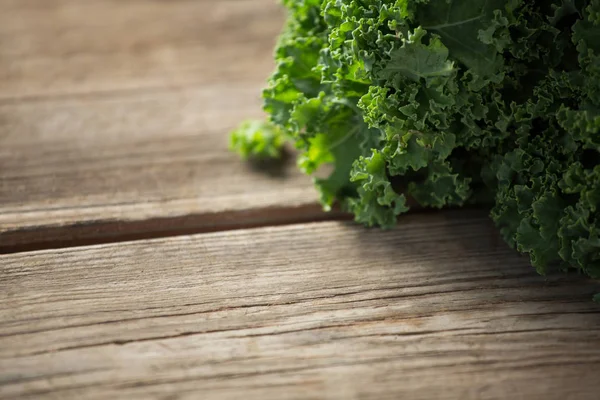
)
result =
(257, 140)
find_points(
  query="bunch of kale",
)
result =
(449, 102)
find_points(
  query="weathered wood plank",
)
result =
(114, 118)
(436, 309)
(74, 169)
(55, 48)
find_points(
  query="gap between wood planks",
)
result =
(102, 232)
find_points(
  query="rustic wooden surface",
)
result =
(436, 309)
(113, 123)
(114, 118)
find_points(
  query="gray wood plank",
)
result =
(438, 308)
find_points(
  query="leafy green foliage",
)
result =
(257, 139)
(451, 102)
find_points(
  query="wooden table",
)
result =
(140, 259)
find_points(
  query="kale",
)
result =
(460, 100)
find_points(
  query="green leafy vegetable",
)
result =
(257, 139)
(448, 102)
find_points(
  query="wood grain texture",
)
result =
(114, 118)
(53, 48)
(439, 308)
